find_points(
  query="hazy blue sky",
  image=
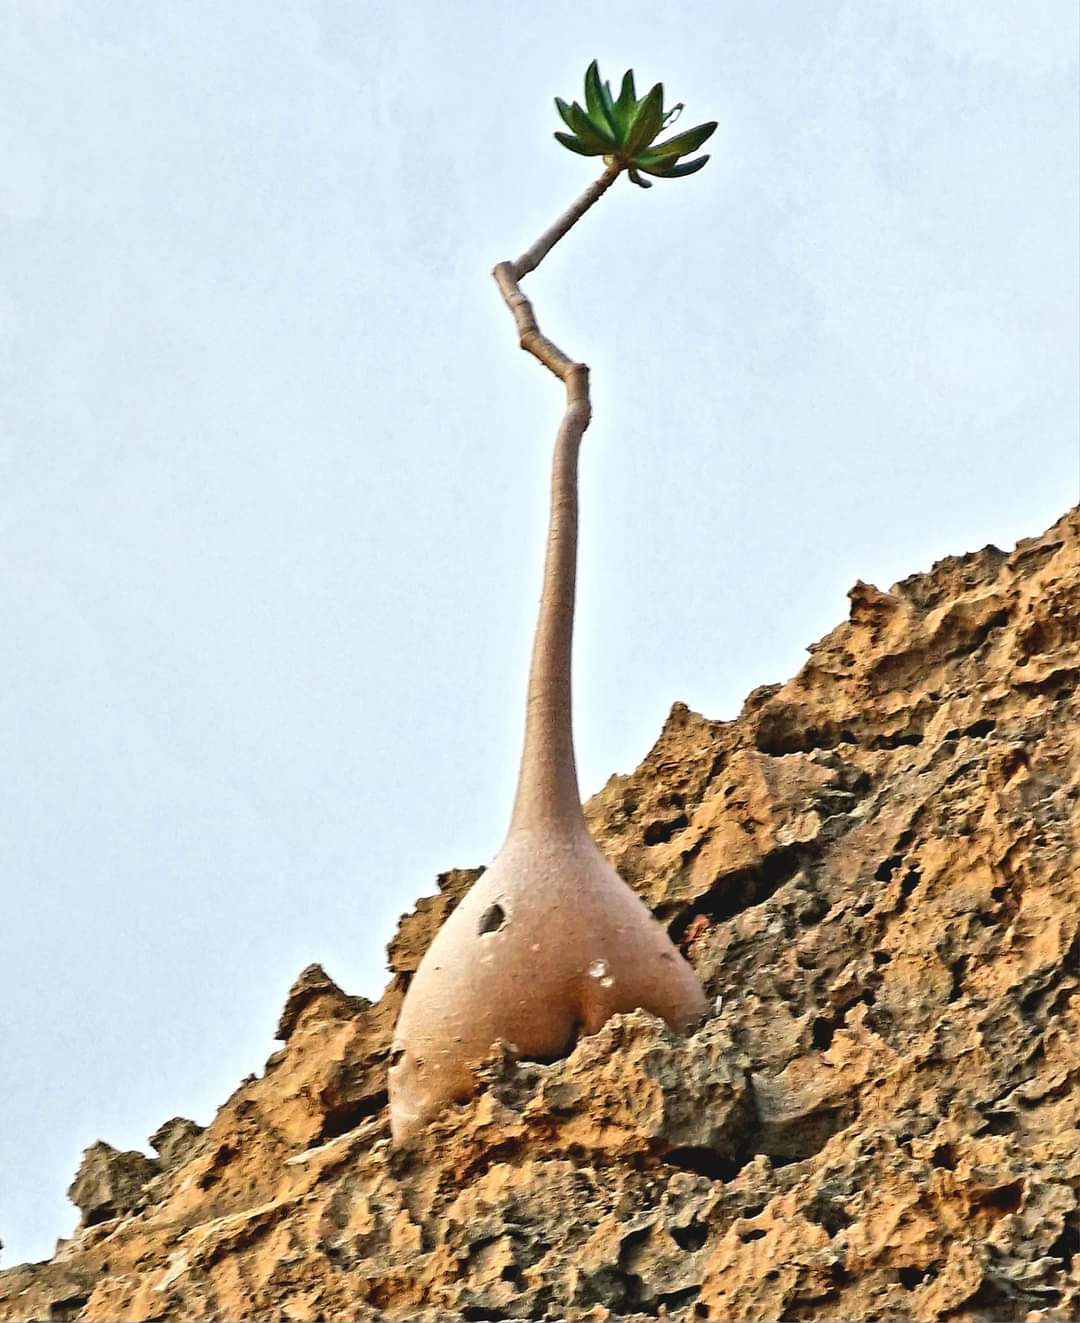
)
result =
(273, 471)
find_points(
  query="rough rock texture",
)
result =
(175, 1141)
(108, 1182)
(875, 870)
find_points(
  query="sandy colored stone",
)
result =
(315, 996)
(108, 1182)
(174, 1141)
(876, 869)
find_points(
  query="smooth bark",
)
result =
(547, 790)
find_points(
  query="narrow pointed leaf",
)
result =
(646, 122)
(590, 133)
(669, 168)
(594, 100)
(626, 103)
(637, 179)
(686, 142)
(575, 145)
(673, 114)
(673, 169)
(564, 112)
(609, 106)
(687, 167)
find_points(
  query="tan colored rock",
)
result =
(108, 1183)
(174, 1141)
(876, 869)
(315, 996)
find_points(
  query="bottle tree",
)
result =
(550, 941)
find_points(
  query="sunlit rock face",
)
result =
(875, 872)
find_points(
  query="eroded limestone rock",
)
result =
(174, 1141)
(876, 870)
(108, 1182)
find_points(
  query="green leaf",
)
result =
(575, 145)
(686, 142)
(659, 169)
(626, 103)
(609, 106)
(645, 124)
(635, 178)
(590, 133)
(594, 99)
(564, 112)
(688, 167)
(670, 169)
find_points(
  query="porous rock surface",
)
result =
(875, 871)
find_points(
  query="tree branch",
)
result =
(509, 274)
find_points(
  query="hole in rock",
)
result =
(70, 1308)
(339, 1120)
(673, 1301)
(999, 1123)
(659, 832)
(944, 1156)
(1067, 1245)
(731, 893)
(897, 741)
(690, 1238)
(911, 880)
(908, 883)
(822, 1033)
(910, 1278)
(828, 1213)
(1006, 1197)
(703, 1161)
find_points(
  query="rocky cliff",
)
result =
(875, 870)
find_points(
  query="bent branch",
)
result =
(547, 788)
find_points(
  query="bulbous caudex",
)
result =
(550, 941)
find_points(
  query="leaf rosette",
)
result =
(623, 130)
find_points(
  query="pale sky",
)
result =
(273, 471)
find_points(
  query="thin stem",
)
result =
(547, 790)
(531, 258)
